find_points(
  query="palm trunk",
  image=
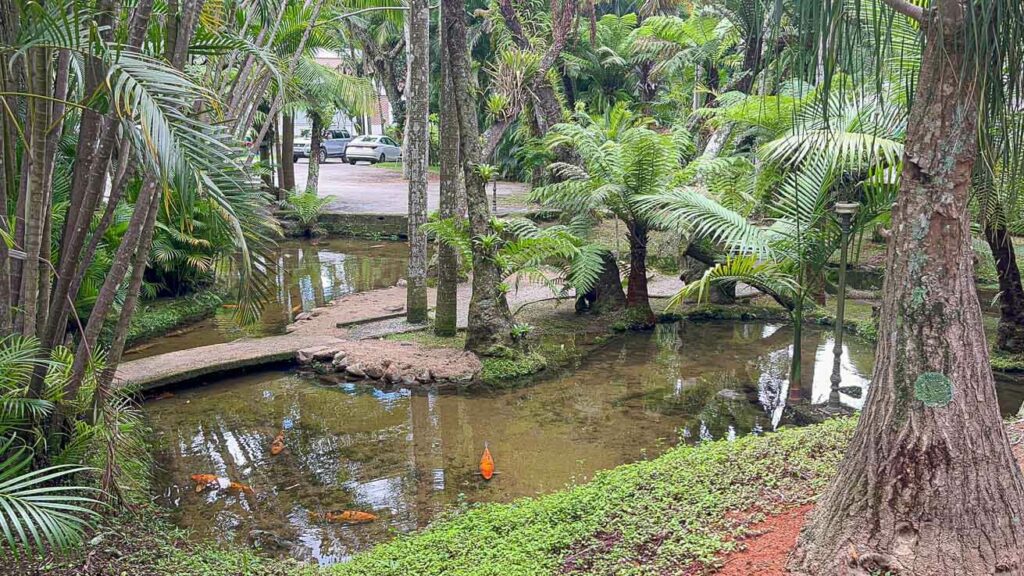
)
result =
(638, 304)
(929, 484)
(418, 138)
(490, 321)
(1010, 335)
(446, 313)
(288, 152)
(313, 175)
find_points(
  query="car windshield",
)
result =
(368, 139)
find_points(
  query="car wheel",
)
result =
(295, 158)
(322, 156)
(352, 161)
(381, 159)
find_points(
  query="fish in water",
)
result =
(204, 481)
(344, 517)
(277, 446)
(486, 463)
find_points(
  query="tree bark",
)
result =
(1010, 335)
(316, 130)
(929, 484)
(288, 152)
(637, 302)
(490, 321)
(446, 311)
(606, 295)
(418, 138)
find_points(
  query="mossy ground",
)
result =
(158, 317)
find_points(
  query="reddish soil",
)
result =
(765, 554)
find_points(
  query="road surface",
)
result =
(369, 189)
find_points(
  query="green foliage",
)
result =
(500, 372)
(159, 317)
(306, 208)
(638, 519)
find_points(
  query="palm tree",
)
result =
(622, 161)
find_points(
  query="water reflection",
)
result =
(406, 457)
(305, 276)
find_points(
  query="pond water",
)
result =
(306, 275)
(407, 457)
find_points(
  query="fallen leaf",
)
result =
(239, 487)
(203, 480)
(277, 446)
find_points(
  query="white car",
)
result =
(373, 149)
(300, 149)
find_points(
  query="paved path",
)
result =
(365, 189)
(373, 312)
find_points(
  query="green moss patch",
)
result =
(157, 318)
(681, 510)
(934, 389)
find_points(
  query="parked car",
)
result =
(373, 149)
(333, 144)
(300, 149)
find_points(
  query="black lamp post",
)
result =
(845, 211)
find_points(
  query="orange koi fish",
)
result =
(344, 517)
(277, 446)
(486, 463)
(204, 480)
(239, 487)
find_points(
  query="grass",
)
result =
(397, 167)
(679, 511)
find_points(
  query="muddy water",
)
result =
(406, 457)
(306, 275)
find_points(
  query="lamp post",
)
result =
(845, 211)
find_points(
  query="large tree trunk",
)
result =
(418, 138)
(446, 310)
(929, 485)
(288, 152)
(637, 302)
(1010, 336)
(490, 321)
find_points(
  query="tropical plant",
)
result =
(622, 161)
(305, 208)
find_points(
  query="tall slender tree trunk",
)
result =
(446, 309)
(288, 152)
(1010, 335)
(417, 136)
(316, 130)
(638, 303)
(490, 321)
(929, 485)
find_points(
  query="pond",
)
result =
(408, 457)
(306, 275)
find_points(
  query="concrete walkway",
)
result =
(357, 316)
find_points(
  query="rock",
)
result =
(402, 283)
(408, 380)
(324, 355)
(424, 377)
(307, 355)
(392, 375)
(728, 394)
(394, 308)
(303, 316)
(267, 540)
(339, 360)
(374, 372)
(355, 370)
